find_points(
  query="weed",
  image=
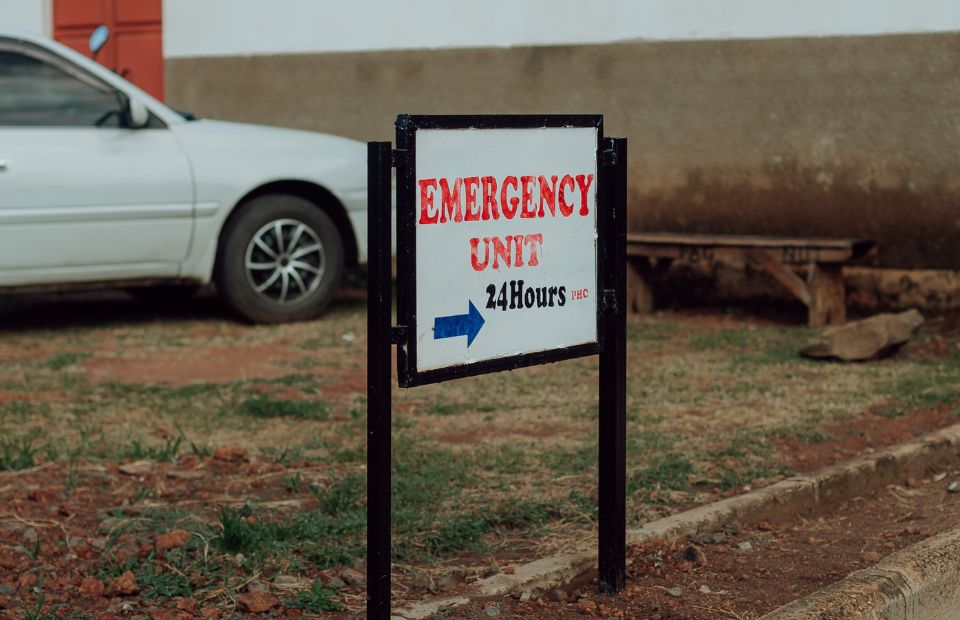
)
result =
(17, 453)
(342, 496)
(36, 612)
(294, 483)
(318, 598)
(34, 553)
(167, 452)
(238, 534)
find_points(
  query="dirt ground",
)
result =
(744, 573)
(170, 462)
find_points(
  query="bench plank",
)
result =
(823, 292)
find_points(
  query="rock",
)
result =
(291, 582)
(557, 595)
(878, 336)
(675, 591)
(954, 486)
(231, 454)
(172, 540)
(745, 546)
(188, 605)
(695, 555)
(587, 607)
(492, 611)
(354, 578)
(136, 468)
(124, 585)
(187, 474)
(46, 495)
(30, 536)
(92, 586)
(493, 569)
(450, 578)
(111, 525)
(872, 556)
(424, 581)
(257, 601)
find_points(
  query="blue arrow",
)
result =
(468, 324)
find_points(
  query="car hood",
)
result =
(275, 152)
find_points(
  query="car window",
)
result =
(36, 93)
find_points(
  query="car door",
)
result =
(82, 197)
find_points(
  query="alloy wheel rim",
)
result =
(285, 261)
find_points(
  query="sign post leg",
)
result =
(613, 377)
(379, 405)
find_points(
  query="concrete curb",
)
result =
(921, 581)
(799, 496)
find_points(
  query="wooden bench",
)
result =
(650, 254)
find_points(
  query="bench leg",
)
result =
(829, 301)
(639, 285)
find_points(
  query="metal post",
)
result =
(613, 374)
(379, 405)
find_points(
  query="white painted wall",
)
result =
(26, 15)
(237, 27)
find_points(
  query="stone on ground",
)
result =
(878, 336)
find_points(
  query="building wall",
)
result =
(832, 136)
(243, 27)
(26, 15)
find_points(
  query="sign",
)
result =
(500, 218)
(511, 251)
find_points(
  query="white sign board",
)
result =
(505, 223)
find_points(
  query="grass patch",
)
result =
(455, 408)
(666, 472)
(264, 406)
(138, 451)
(62, 360)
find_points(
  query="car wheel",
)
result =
(280, 259)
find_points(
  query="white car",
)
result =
(103, 185)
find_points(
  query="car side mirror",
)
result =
(98, 38)
(137, 114)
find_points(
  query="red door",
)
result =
(135, 48)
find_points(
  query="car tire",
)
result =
(280, 259)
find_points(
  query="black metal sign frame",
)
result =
(407, 126)
(611, 335)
